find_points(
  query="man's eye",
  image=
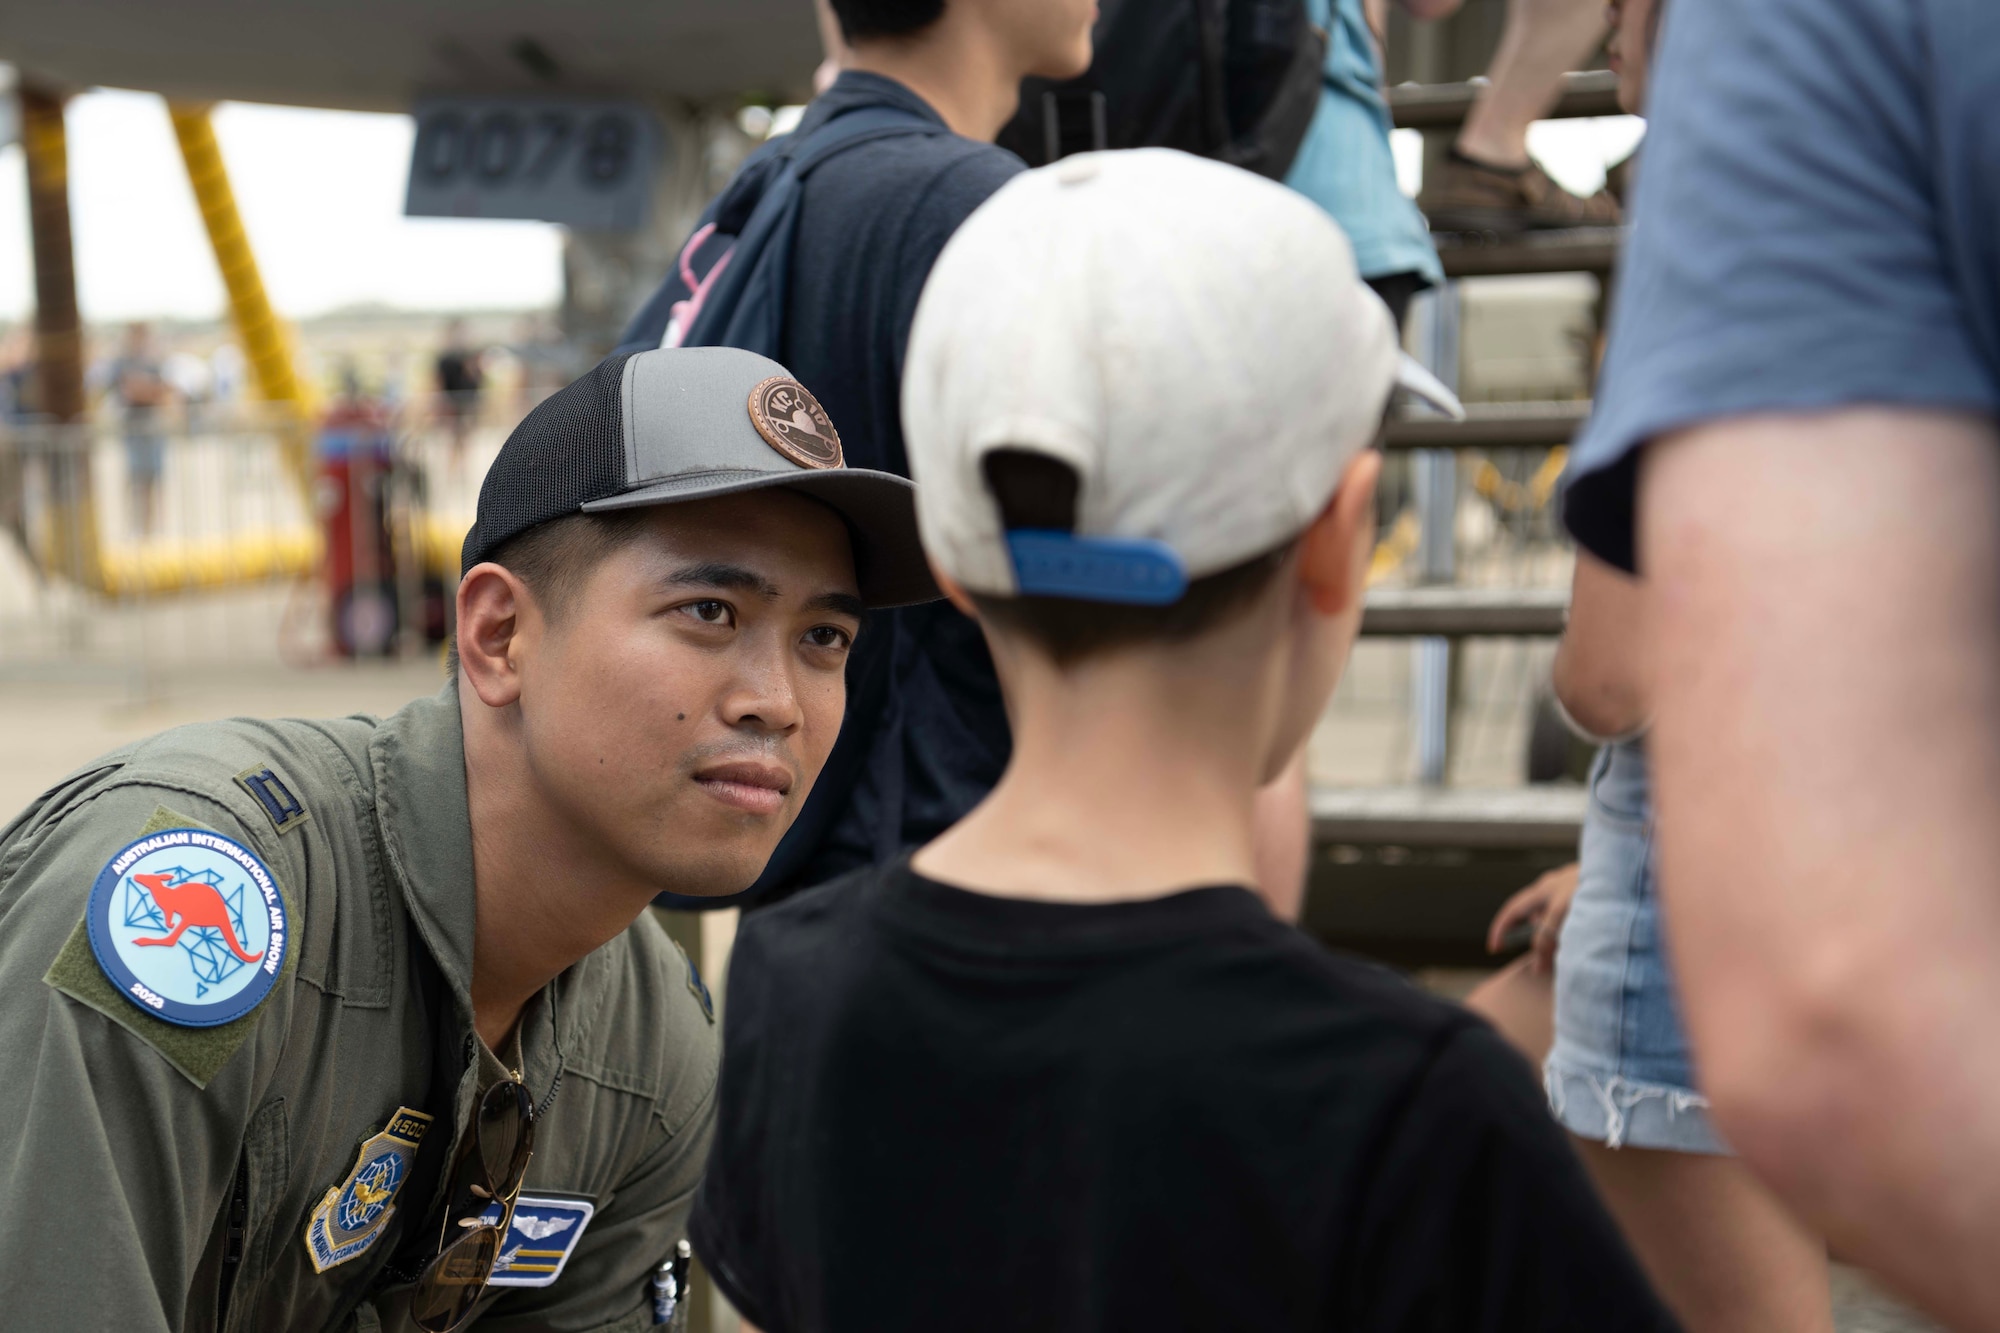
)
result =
(828, 636)
(711, 612)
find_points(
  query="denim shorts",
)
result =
(1619, 1072)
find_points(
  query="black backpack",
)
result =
(728, 287)
(1236, 80)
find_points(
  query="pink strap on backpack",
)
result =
(681, 315)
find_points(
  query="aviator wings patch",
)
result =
(544, 1235)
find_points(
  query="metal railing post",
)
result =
(1434, 475)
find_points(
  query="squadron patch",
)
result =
(540, 1241)
(354, 1213)
(189, 926)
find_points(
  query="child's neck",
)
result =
(1124, 784)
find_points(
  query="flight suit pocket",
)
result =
(267, 1170)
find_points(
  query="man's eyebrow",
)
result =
(716, 574)
(844, 603)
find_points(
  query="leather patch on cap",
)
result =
(791, 421)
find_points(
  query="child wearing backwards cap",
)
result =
(1061, 1070)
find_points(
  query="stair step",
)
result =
(1533, 425)
(1468, 254)
(1437, 106)
(1546, 818)
(1457, 612)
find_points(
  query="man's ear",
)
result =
(492, 603)
(954, 594)
(1334, 552)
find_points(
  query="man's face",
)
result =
(680, 708)
(1050, 38)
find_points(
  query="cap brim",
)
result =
(1413, 378)
(880, 509)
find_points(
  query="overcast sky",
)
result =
(321, 194)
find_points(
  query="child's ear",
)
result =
(1335, 551)
(954, 594)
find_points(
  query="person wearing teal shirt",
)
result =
(1345, 166)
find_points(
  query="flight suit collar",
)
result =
(419, 760)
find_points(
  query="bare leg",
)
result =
(1725, 1255)
(1283, 833)
(1544, 39)
(1520, 1002)
(1721, 1249)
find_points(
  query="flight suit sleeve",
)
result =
(119, 1160)
(606, 1285)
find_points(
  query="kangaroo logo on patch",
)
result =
(791, 421)
(189, 926)
(353, 1214)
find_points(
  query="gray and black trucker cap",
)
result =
(687, 423)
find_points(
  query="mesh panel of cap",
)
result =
(569, 450)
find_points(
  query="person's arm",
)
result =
(1376, 14)
(117, 1163)
(1827, 748)
(1427, 11)
(1601, 663)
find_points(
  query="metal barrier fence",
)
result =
(124, 550)
(109, 564)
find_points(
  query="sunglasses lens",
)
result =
(506, 1136)
(450, 1285)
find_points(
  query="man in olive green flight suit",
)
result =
(255, 975)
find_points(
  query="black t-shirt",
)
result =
(926, 736)
(947, 1111)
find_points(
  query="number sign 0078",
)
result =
(588, 165)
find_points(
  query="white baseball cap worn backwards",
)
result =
(1191, 339)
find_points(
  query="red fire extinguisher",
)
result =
(351, 493)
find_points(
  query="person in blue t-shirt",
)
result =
(1795, 442)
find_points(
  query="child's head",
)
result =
(1138, 399)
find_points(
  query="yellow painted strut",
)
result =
(266, 342)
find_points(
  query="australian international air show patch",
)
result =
(189, 926)
(540, 1240)
(352, 1215)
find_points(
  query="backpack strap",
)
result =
(679, 300)
(851, 129)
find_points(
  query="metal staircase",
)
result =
(1412, 874)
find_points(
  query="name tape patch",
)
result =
(189, 926)
(541, 1239)
(353, 1214)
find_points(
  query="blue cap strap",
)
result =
(1134, 570)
